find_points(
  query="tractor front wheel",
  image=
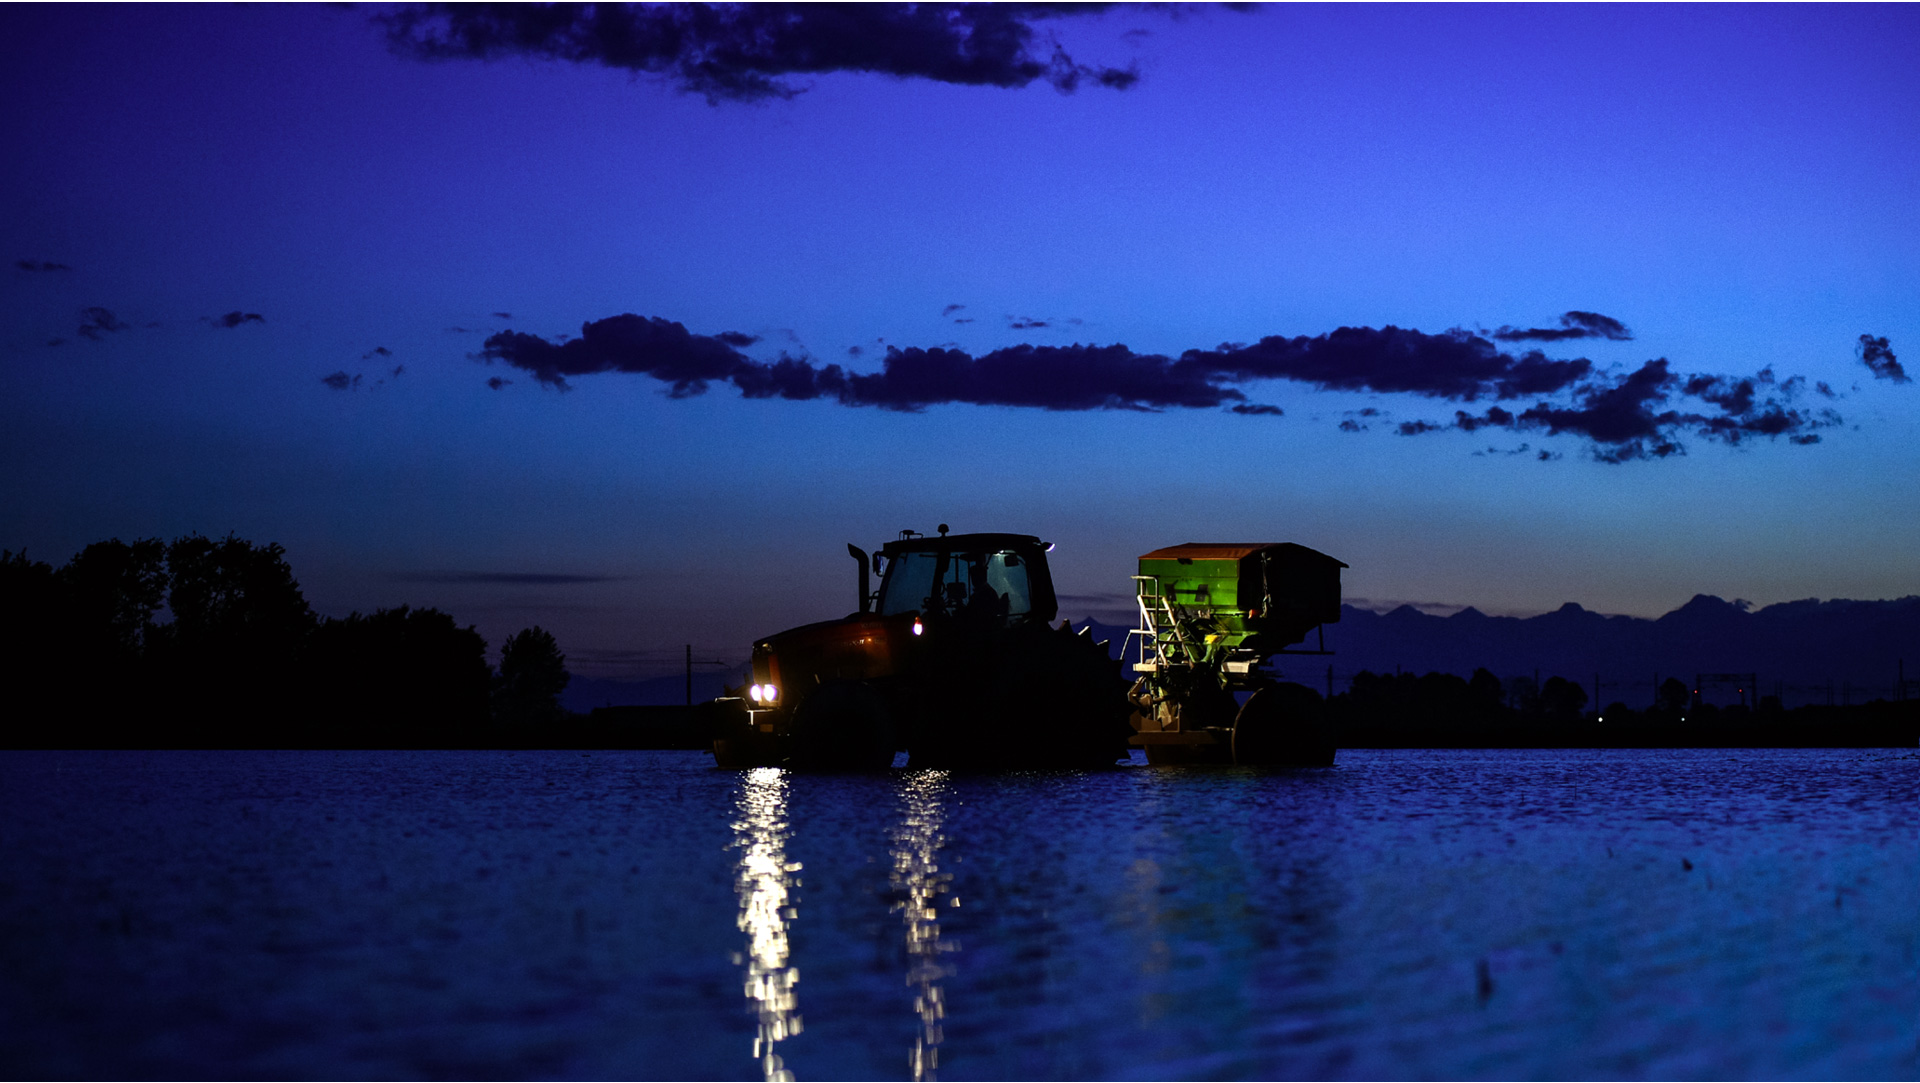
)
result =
(843, 726)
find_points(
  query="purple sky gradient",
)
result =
(1738, 186)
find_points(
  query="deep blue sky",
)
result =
(1739, 187)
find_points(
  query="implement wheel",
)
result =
(843, 726)
(1282, 725)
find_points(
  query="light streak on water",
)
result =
(922, 889)
(764, 881)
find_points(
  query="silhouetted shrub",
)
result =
(533, 673)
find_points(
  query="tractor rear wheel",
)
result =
(1282, 725)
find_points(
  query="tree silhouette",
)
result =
(1674, 696)
(533, 673)
(112, 590)
(230, 661)
(404, 676)
(1562, 698)
(31, 659)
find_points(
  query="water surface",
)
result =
(1407, 914)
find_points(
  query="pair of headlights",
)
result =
(763, 693)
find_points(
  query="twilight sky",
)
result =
(626, 326)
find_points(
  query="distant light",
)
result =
(917, 626)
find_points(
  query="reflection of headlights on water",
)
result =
(764, 693)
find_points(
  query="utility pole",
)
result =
(689, 674)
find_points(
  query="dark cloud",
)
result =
(1024, 323)
(234, 319)
(652, 346)
(1574, 324)
(743, 52)
(1452, 365)
(737, 338)
(542, 579)
(1636, 417)
(1877, 354)
(1642, 414)
(340, 381)
(963, 319)
(40, 265)
(951, 309)
(497, 383)
(377, 351)
(96, 323)
(503, 315)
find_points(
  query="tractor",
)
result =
(1211, 617)
(954, 660)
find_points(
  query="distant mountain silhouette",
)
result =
(1798, 647)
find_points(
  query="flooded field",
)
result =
(1406, 914)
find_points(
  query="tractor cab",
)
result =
(985, 581)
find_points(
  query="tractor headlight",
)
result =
(755, 693)
(769, 693)
(917, 626)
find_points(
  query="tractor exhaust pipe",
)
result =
(866, 584)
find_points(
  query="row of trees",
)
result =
(1438, 710)
(206, 642)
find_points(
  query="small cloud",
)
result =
(951, 309)
(1574, 324)
(234, 319)
(56, 342)
(1257, 409)
(1350, 425)
(340, 381)
(737, 339)
(40, 265)
(461, 331)
(502, 315)
(1877, 354)
(96, 322)
(377, 351)
(1415, 428)
(497, 383)
(963, 319)
(1025, 323)
(397, 370)
(854, 351)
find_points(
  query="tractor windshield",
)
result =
(991, 586)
